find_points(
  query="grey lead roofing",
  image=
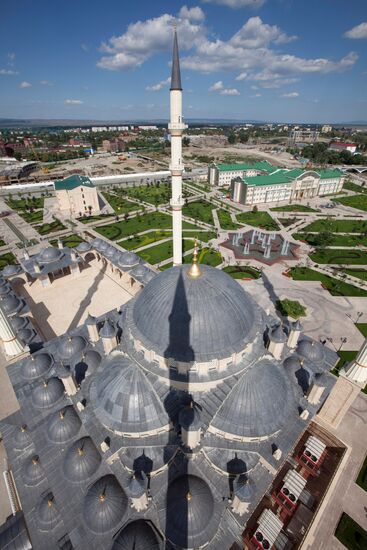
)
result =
(13, 534)
(137, 535)
(82, 460)
(176, 73)
(104, 505)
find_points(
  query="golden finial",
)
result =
(45, 383)
(194, 272)
(102, 497)
(62, 415)
(189, 496)
(50, 502)
(23, 428)
(81, 451)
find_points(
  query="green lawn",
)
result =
(7, 259)
(152, 194)
(258, 219)
(32, 217)
(50, 227)
(163, 251)
(206, 256)
(199, 210)
(362, 327)
(356, 201)
(120, 204)
(349, 533)
(346, 356)
(204, 236)
(334, 286)
(339, 256)
(337, 240)
(71, 241)
(89, 219)
(354, 187)
(154, 220)
(239, 272)
(360, 273)
(21, 204)
(291, 308)
(225, 220)
(293, 208)
(337, 226)
(142, 240)
(288, 221)
(362, 476)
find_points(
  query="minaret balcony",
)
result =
(176, 168)
(177, 204)
(177, 126)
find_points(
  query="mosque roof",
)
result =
(311, 350)
(47, 393)
(70, 346)
(63, 425)
(72, 182)
(137, 535)
(193, 319)
(21, 438)
(36, 365)
(81, 460)
(47, 512)
(33, 470)
(104, 505)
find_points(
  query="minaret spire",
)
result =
(176, 128)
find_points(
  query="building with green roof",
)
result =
(286, 185)
(76, 196)
(222, 174)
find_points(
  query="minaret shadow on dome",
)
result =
(176, 128)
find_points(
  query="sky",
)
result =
(266, 60)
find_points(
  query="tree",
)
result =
(231, 138)
(323, 239)
(255, 209)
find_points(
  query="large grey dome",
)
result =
(193, 319)
(259, 404)
(48, 515)
(36, 365)
(104, 505)
(63, 425)
(33, 471)
(82, 460)
(47, 393)
(311, 350)
(124, 400)
(137, 535)
(21, 438)
(190, 507)
(70, 346)
(50, 254)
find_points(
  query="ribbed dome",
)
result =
(190, 508)
(33, 471)
(258, 405)
(311, 350)
(104, 505)
(139, 270)
(63, 425)
(124, 400)
(138, 535)
(21, 438)
(36, 365)
(50, 254)
(83, 247)
(18, 322)
(292, 364)
(82, 460)
(10, 303)
(47, 393)
(128, 259)
(110, 251)
(277, 335)
(48, 515)
(193, 319)
(70, 346)
(88, 364)
(108, 330)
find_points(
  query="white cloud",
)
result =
(73, 102)
(216, 86)
(159, 85)
(237, 3)
(46, 83)
(357, 32)
(25, 84)
(290, 95)
(143, 39)
(256, 34)
(229, 91)
(241, 76)
(193, 14)
(8, 72)
(278, 82)
(256, 95)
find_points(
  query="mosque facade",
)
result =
(161, 424)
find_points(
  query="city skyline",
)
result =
(241, 60)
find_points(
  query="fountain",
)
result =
(246, 248)
(253, 236)
(267, 251)
(285, 247)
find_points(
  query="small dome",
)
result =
(26, 335)
(82, 460)
(189, 418)
(292, 364)
(96, 242)
(139, 271)
(110, 251)
(10, 303)
(190, 508)
(137, 535)
(70, 346)
(244, 489)
(296, 325)
(277, 335)
(124, 400)
(10, 270)
(63, 425)
(5, 289)
(18, 322)
(48, 515)
(258, 405)
(21, 438)
(104, 505)
(311, 350)
(93, 359)
(102, 245)
(128, 259)
(33, 471)
(49, 254)
(47, 393)
(108, 330)
(36, 365)
(83, 247)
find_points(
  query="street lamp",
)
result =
(343, 340)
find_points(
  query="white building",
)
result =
(222, 174)
(326, 129)
(76, 196)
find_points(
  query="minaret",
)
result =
(356, 371)
(12, 345)
(176, 127)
